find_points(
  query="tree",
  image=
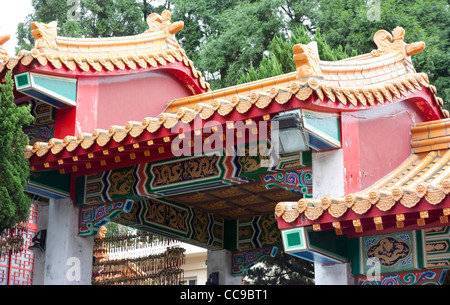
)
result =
(349, 24)
(233, 36)
(14, 167)
(282, 269)
(279, 59)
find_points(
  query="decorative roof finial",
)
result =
(163, 23)
(44, 34)
(388, 43)
(306, 59)
(3, 39)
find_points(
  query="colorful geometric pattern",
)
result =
(92, 218)
(257, 232)
(242, 261)
(175, 221)
(424, 277)
(159, 179)
(437, 247)
(298, 180)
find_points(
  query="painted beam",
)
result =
(242, 261)
(423, 277)
(401, 252)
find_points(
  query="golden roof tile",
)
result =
(278, 89)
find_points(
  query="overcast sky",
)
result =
(10, 15)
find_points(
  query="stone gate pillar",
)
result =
(220, 261)
(68, 257)
(328, 178)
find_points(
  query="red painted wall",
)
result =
(384, 140)
(116, 100)
(134, 97)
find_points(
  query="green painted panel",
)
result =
(354, 250)
(293, 239)
(80, 190)
(324, 125)
(420, 249)
(65, 87)
(230, 234)
(22, 80)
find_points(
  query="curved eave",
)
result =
(174, 61)
(415, 194)
(239, 103)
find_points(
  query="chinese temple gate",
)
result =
(127, 130)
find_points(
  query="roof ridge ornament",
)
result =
(44, 34)
(307, 60)
(162, 22)
(3, 40)
(394, 43)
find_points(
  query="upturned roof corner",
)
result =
(3, 40)
(307, 60)
(163, 23)
(395, 43)
(157, 46)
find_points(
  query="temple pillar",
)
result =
(328, 175)
(220, 261)
(337, 274)
(39, 255)
(68, 257)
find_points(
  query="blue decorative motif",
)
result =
(92, 218)
(389, 251)
(429, 277)
(299, 180)
(244, 260)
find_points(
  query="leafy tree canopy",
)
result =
(282, 269)
(14, 167)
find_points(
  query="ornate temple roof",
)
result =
(371, 80)
(423, 176)
(156, 47)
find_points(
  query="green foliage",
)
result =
(280, 56)
(14, 167)
(234, 35)
(346, 23)
(283, 269)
